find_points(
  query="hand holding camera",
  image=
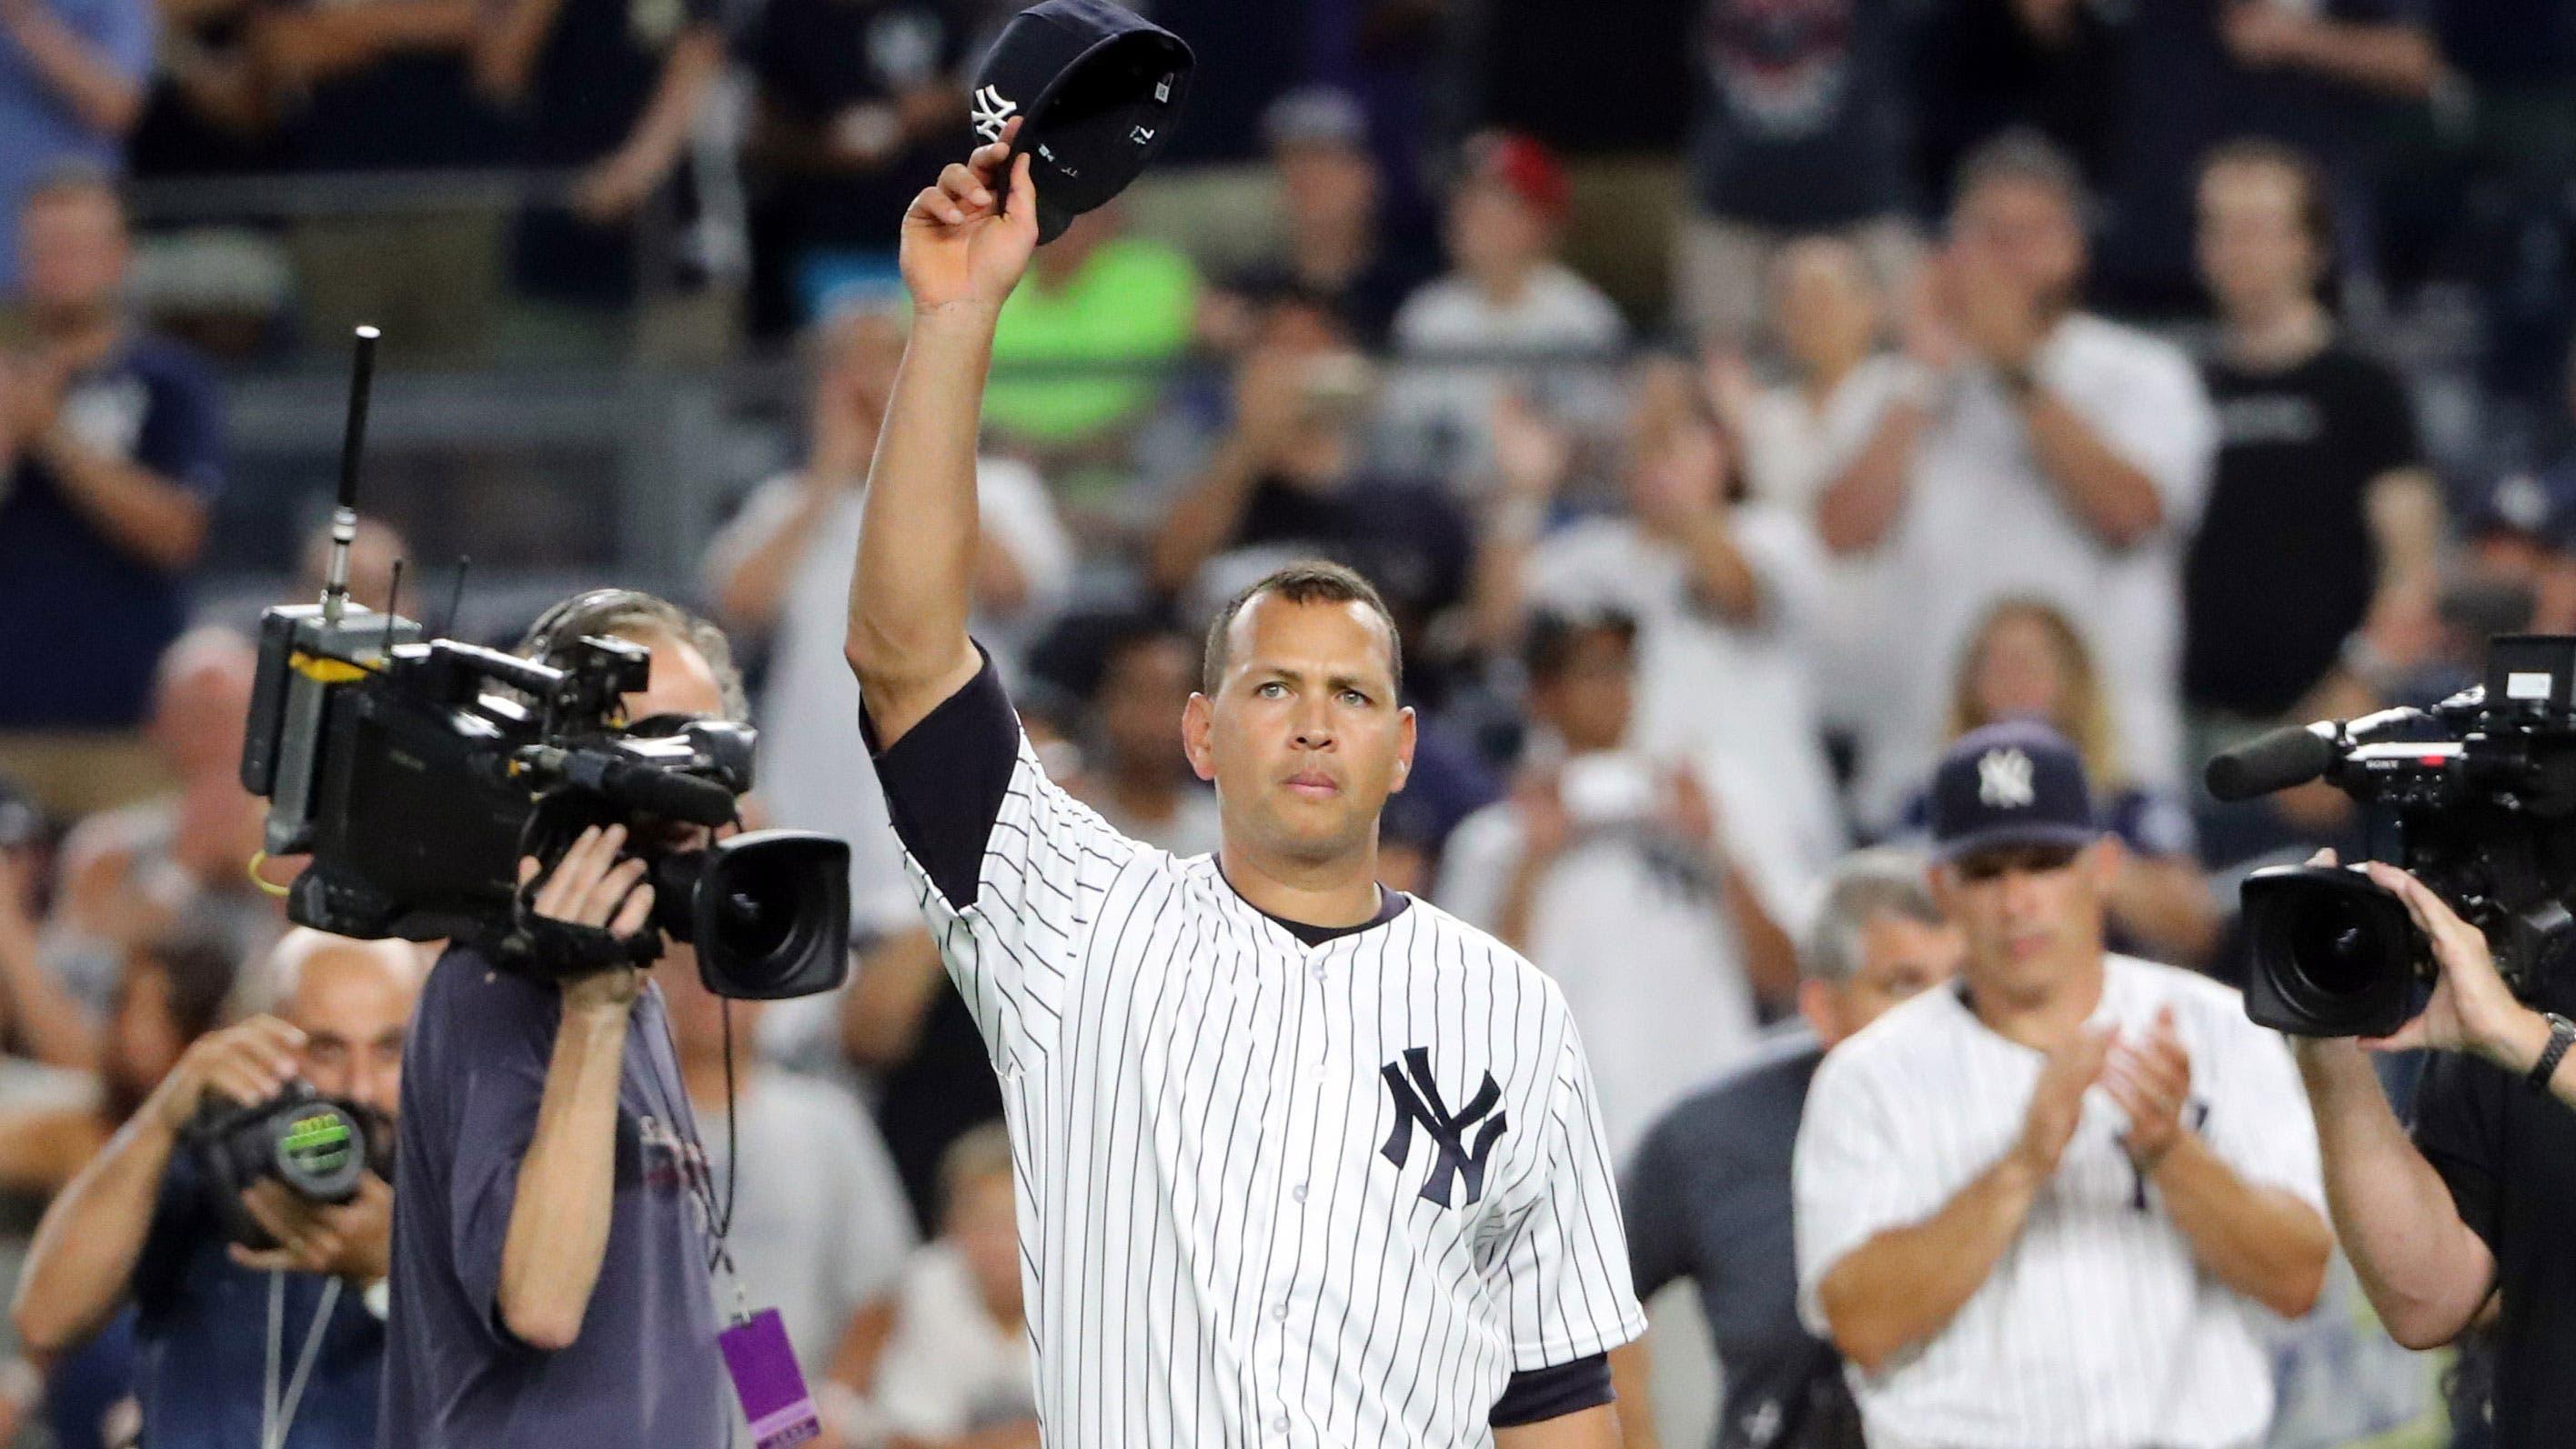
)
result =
(248, 1063)
(2471, 1008)
(352, 1240)
(592, 887)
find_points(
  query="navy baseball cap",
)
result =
(1097, 90)
(2013, 784)
(2539, 505)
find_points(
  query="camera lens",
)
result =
(2335, 946)
(320, 1150)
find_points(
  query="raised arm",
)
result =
(86, 1249)
(962, 253)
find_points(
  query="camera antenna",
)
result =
(456, 596)
(393, 605)
(353, 442)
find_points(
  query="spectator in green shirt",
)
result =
(1076, 357)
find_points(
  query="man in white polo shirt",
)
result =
(2055, 1205)
(2065, 458)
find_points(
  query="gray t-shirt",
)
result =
(1707, 1198)
(645, 1368)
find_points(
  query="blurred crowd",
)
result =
(1996, 360)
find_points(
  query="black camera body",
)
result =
(317, 1146)
(2476, 798)
(416, 773)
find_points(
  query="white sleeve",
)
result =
(876, 1236)
(763, 513)
(2259, 1123)
(1018, 511)
(1850, 1179)
(1563, 1266)
(1474, 864)
(2153, 412)
(1009, 870)
(1788, 563)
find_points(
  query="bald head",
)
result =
(201, 701)
(352, 1000)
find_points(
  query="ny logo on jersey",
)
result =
(1418, 1101)
(991, 112)
(2003, 779)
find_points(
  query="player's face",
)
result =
(1304, 738)
(352, 1006)
(2031, 915)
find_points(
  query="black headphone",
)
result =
(540, 642)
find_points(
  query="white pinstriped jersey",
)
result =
(2097, 1328)
(1270, 1192)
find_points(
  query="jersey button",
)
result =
(1279, 1312)
(1319, 970)
(1279, 1425)
(1298, 1192)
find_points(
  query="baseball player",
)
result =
(1301, 1160)
(2053, 1205)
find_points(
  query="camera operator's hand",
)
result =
(352, 1240)
(959, 243)
(592, 887)
(248, 1063)
(2471, 1010)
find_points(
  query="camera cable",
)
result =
(276, 1410)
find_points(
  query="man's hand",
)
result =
(1269, 407)
(1531, 454)
(615, 188)
(2057, 1103)
(31, 398)
(1995, 317)
(592, 887)
(352, 1240)
(960, 245)
(2471, 1010)
(2260, 34)
(2150, 1077)
(248, 1063)
(1546, 830)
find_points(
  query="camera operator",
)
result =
(551, 1281)
(141, 1220)
(2482, 1201)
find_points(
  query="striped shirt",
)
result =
(2097, 1329)
(1268, 1191)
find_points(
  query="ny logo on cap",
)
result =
(992, 111)
(2003, 779)
(1419, 1101)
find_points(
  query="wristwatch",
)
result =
(2562, 1035)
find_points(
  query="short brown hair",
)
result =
(2316, 197)
(2023, 155)
(1308, 581)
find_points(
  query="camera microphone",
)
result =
(2293, 755)
(648, 789)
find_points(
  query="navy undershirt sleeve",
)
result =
(946, 778)
(1536, 1395)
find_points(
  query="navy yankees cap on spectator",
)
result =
(2017, 783)
(2538, 505)
(1097, 90)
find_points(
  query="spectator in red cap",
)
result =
(1508, 303)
